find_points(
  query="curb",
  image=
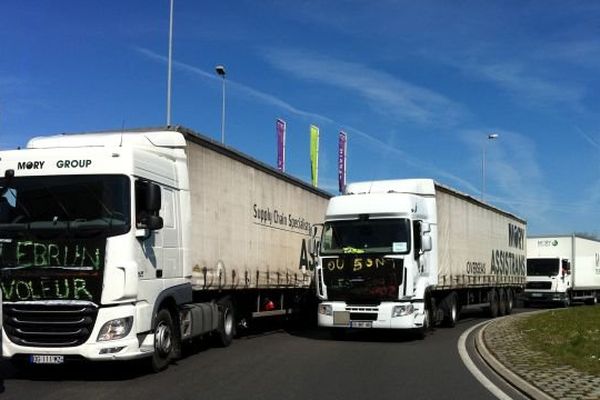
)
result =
(510, 377)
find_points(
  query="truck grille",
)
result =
(538, 285)
(363, 316)
(49, 325)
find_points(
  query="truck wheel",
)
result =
(493, 307)
(422, 332)
(226, 330)
(509, 301)
(567, 300)
(502, 302)
(450, 307)
(165, 341)
(592, 301)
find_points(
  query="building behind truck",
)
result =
(562, 269)
(122, 245)
(408, 254)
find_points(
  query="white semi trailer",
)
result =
(562, 269)
(407, 254)
(121, 245)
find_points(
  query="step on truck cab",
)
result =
(121, 245)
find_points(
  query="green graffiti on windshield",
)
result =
(57, 289)
(36, 254)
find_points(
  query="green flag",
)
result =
(314, 154)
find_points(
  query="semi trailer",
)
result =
(562, 269)
(412, 253)
(122, 245)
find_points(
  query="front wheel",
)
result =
(166, 341)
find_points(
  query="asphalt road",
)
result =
(276, 364)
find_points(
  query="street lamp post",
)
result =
(491, 136)
(169, 68)
(221, 72)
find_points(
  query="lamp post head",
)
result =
(493, 136)
(220, 70)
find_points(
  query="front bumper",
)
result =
(379, 316)
(129, 347)
(544, 297)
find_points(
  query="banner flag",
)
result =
(342, 147)
(314, 154)
(280, 128)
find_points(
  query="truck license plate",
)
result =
(46, 359)
(361, 324)
(536, 295)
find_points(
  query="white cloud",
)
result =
(386, 93)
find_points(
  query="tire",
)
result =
(494, 306)
(424, 330)
(166, 341)
(502, 302)
(451, 311)
(567, 301)
(226, 331)
(510, 301)
(593, 301)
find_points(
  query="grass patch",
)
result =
(569, 336)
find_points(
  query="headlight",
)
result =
(325, 309)
(400, 311)
(115, 329)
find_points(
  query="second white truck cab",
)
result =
(562, 269)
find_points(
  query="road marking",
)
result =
(464, 355)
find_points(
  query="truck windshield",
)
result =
(74, 205)
(542, 267)
(374, 236)
(362, 278)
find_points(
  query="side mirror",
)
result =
(313, 242)
(154, 222)
(152, 197)
(426, 244)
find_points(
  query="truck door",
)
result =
(168, 238)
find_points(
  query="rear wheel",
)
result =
(450, 307)
(502, 302)
(592, 301)
(494, 304)
(509, 301)
(226, 330)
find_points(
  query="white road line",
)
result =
(464, 355)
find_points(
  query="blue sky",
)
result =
(418, 86)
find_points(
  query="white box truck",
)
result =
(407, 254)
(562, 269)
(121, 245)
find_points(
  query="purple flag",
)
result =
(280, 127)
(342, 161)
